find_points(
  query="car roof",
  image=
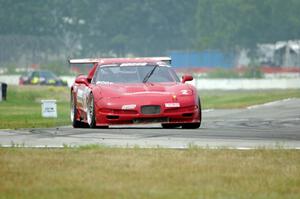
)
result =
(98, 62)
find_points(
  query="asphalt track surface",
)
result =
(272, 125)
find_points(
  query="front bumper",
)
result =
(110, 112)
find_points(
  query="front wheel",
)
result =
(191, 125)
(197, 124)
(91, 112)
(169, 126)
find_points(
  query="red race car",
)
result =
(133, 91)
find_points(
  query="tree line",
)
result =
(37, 31)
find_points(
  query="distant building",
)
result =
(279, 54)
(207, 58)
(282, 53)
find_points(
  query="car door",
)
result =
(82, 96)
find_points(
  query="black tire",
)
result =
(194, 125)
(169, 126)
(200, 111)
(91, 112)
(191, 125)
(91, 117)
(75, 122)
(102, 127)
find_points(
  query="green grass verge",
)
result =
(242, 98)
(149, 173)
(23, 107)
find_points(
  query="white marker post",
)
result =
(49, 108)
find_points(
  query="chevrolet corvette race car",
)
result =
(133, 91)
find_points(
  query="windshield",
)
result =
(134, 74)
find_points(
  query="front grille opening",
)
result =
(150, 109)
(151, 120)
(112, 117)
(187, 114)
(117, 111)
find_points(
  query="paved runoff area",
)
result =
(272, 125)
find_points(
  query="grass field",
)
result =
(244, 98)
(99, 172)
(23, 107)
(94, 172)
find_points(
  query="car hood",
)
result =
(146, 89)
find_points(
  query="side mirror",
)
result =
(89, 80)
(81, 80)
(186, 78)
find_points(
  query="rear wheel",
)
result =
(73, 114)
(197, 124)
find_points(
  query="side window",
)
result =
(96, 76)
(35, 78)
(35, 75)
(29, 75)
(43, 75)
(106, 74)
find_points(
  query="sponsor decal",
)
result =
(134, 64)
(79, 93)
(104, 82)
(172, 105)
(75, 88)
(128, 106)
(185, 92)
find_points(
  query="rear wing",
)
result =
(84, 61)
(167, 60)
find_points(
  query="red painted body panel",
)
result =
(147, 94)
(122, 103)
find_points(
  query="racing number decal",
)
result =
(80, 96)
(184, 92)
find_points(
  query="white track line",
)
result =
(269, 103)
